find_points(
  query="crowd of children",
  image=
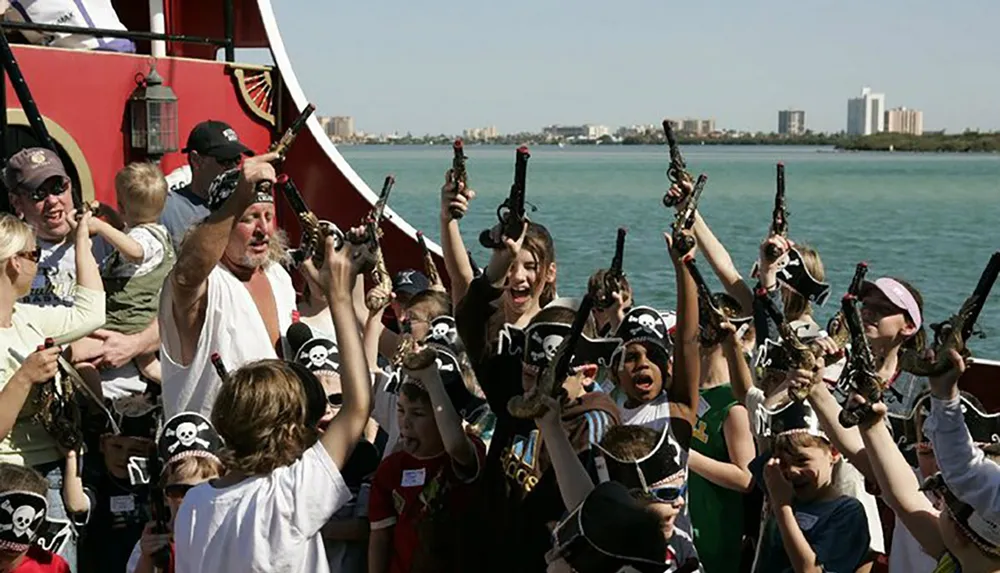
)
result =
(542, 434)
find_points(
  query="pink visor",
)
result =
(899, 296)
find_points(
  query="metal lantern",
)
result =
(153, 115)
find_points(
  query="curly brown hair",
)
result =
(260, 413)
(22, 478)
(630, 442)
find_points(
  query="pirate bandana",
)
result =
(468, 405)
(188, 434)
(596, 536)
(792, 418)
(667, 460)
(537, 344)
(983, 532)
(224, 186)
(319, 354)
(22, 515)
(793, 274)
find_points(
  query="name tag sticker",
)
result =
(414, 478)
(806, 520)
(703, 407)
(122, 504)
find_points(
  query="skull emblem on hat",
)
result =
(22, 514)
(188, 433)
(319, 354)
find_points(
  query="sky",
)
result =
(436, 66)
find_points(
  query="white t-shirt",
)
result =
(654, 415)
(384, 409)
(233, 327)
(264, 524)
(77, 13)
(56, 279)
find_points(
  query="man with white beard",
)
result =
(227, 294)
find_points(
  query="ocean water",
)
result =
(932, 219)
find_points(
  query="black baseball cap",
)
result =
(216, 139)
(410, 282)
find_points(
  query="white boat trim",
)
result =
(300, 100)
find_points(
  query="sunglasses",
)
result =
(56, 187)
(176, 491)
(665, 494)
(32, 255)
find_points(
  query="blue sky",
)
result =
(442, 66)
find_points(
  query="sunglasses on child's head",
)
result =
(176, 491)
(663, 494)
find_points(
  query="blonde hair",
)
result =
(796, 305)
(260, 413)
(142, 191)
(192, 467)
(15, 236)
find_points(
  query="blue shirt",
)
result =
(182, 211)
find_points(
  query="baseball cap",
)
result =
(29, 168)
(216, 139)
(898, 295)
(410, 281)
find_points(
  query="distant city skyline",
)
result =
(439, 67)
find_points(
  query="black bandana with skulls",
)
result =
(22, 514)
(223, 186)
(188, 434)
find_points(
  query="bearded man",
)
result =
(228, 293)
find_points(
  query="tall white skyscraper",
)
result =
(866, 114)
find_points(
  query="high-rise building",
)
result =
(902, 120)
(480, 133)
(342, 127)
(791, 122)
(696, 127)
(866, 114)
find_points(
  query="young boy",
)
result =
(134, 273)
(422, 495)
(810, 524)
(641, 369)
(119, 508)
(283, 485)
(23, 490)
(189, 449)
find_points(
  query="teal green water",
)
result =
(931, 219)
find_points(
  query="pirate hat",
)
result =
(609, 533)
(319, 354)
(188, 434)
(664, 462)
(792, 418)
(468, 405)
(537, 344)
(444, 331)
(794, 275)
(22, 515)
(644, 324)
(137, 415)
(720, 301)
(982, 531)
(983, 427)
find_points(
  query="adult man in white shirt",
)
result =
(227, 294)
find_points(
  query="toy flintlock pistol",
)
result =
(779, 217)
(837, 327)
(379, 296)
(860, 375)
(282, 146)
(551, 379)
(677, 171)
(511, 211)
(614, 277)
(430, 267)
(954, 333)
(684, 221)
(458, 173)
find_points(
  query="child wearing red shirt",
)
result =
(22, 519)
(422, 494)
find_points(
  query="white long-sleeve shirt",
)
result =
(969, 475)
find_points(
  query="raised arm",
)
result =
(340, 271)
(741, 379)
(456, 442)
(899, 486)
(718, 257)
(574, 481)
(203, 247)
(847, 440)
(127, 246)
(687, 360)
(733, 474)
(456, 260)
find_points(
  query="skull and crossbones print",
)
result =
(187, 435)
(23, 519)
(319, 354)
(546, 346)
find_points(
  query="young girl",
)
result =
(23, 491)
(282, 485)
(421, 495)
(186, 464)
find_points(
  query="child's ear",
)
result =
(834, 454)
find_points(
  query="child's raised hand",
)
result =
(552, 415)
(779, 489)
(151, 542)
(945, 386)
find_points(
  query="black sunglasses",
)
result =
(177, 490)
(32, 255)
(45, 189)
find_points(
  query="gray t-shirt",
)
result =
(182, 211)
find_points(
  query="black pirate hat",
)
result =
(983, 427)
(22, 515)
(609, 532)
(664, 462)
(793, 417)
(137, 415)
(443, 331)
(319, 354)
(537, 344)
(794, 275)
(468, 405)
(982, 531)
(188, 434)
